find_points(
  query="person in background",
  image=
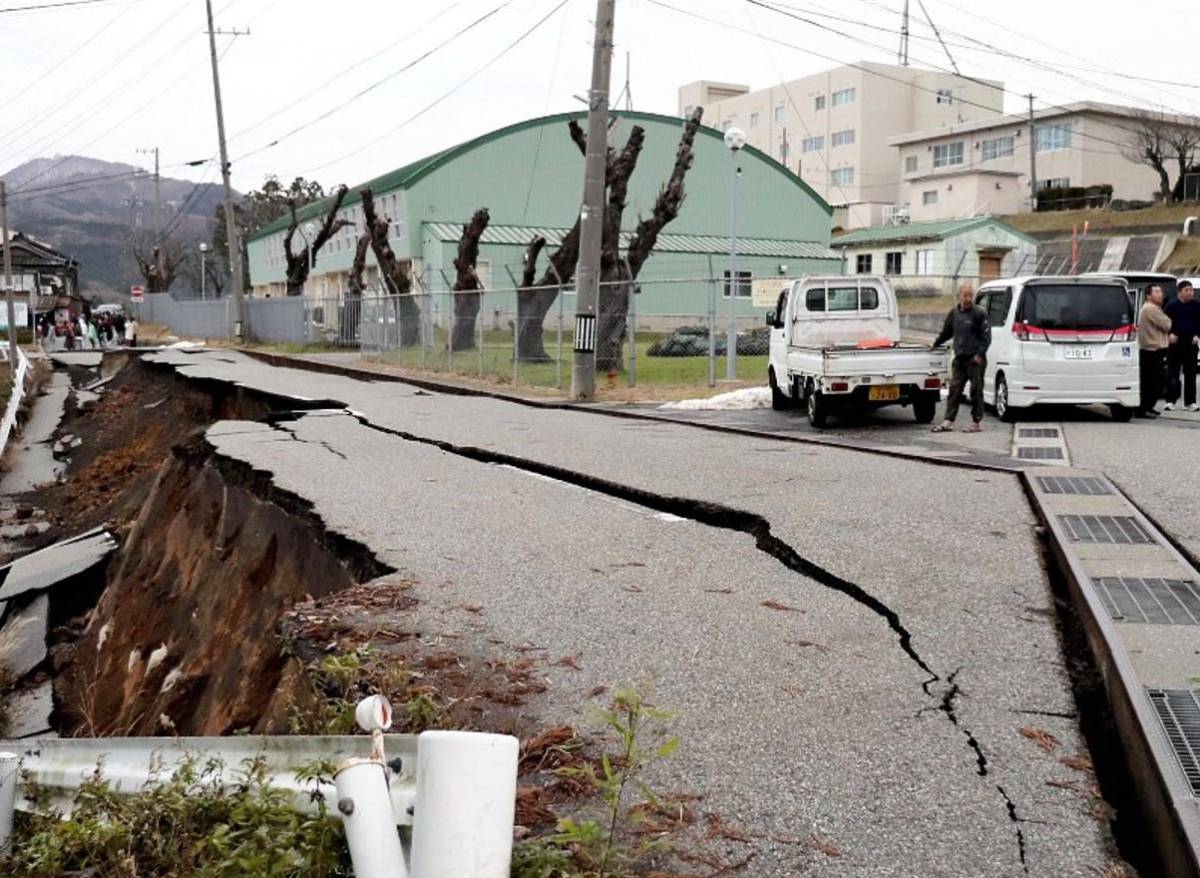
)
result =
(967, 324)
(131, 328)
(1154, 327)
(1184, 346)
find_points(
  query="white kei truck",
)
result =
(835, 347)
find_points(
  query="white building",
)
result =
(982, 167)
(836, 128)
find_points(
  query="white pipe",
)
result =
(9, 772)
(463, 817)
(370, 825)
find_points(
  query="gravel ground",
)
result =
(787, 739)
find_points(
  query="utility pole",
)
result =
(158, 242)
(8, 285)
(902, 55)
(1033, 190)
(231, 229)
(591, 215)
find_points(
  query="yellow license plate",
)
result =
(884, 393)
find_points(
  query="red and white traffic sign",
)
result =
(136, 294)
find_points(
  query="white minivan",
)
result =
(1060, 340)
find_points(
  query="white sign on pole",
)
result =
(136, 294)
(764, 292)
(21, 314)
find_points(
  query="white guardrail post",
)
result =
(466, 793)
(10, 770)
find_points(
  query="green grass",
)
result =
(495, 361)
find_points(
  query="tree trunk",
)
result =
(466, 284)
(300, 264)
(534, 300)
(355, 284)
(395, 274)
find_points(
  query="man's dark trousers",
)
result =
(1181, 357)
(962, 370)
(1150, 376)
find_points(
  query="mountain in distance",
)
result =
(91, 210)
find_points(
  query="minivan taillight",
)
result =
(1021, 331)
(1125, 333)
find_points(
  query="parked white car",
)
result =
(835, 347)
(1060, 340)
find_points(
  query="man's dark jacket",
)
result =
(970, 330)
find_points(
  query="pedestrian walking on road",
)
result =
(1184, 346)
(968, 325)
(1154, 328)
(131, 329)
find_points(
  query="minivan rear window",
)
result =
(1076, 306)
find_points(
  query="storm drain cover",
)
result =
(1154, 601)
(1040, 452)
(1104, 529)
(1179, 712)
(1037, 433)
(1086, 485)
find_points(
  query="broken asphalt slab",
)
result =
(23, 638)
(48, 567)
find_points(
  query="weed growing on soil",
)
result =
(188, 823)
(614, 845)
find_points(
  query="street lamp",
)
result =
(735, 139)
(203, 252)
(310, 229)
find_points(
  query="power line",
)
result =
(342, 105)
(78, 183)
(447, 94)
(55, 5)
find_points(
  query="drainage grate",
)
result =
(1087, 485)
(1179, 712)
(1040, 452)
(1037, 433)
(1154, 601)
(1104, 529)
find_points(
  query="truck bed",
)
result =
(849, 361)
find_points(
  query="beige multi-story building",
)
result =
(835, 128)
(982, 167)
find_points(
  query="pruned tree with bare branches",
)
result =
(467, 287)
(617, 273)
(1157, 139)
(299, 264)
(160, 266)
(396, 276)
(356, 286)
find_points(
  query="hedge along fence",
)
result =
(1074, 197)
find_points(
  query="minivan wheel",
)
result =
(1003, 410)
(1122, 414)
(779, 400)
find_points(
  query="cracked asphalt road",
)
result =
(614, 541)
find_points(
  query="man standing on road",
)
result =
(1185, 343)
(967, 324)
(1153, 329)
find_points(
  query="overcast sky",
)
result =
(109, 78)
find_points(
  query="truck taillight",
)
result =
(933, 383)
(1125, 333)
(1021, 331)
(838, 387)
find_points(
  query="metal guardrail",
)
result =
(15, 397)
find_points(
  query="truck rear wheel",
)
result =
(925, 407)
(818, 409)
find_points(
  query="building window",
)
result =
(924, 262)
(819, 102)
(947, 154)
(894, 263)
(754, 120)
(779, 113)
(1053, 137)
(862, 263)
(929, 197)
(812, 144)
(843, 97)
(1054, 183)
(842, 138)
(945, 96)
(842, 176)
(743, 284)
(910, 164)
(997, 148)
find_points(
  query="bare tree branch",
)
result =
(299, 265)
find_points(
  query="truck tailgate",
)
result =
(882, 362)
